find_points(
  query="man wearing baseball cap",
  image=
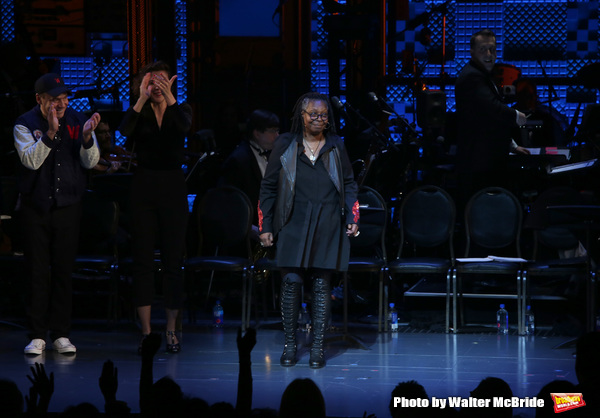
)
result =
(56, 146)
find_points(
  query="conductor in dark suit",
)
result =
(484, 122)
(246, 165)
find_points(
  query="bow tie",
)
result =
(261, 152)
(265, 153)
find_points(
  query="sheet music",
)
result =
(492, 258)
(573, 166)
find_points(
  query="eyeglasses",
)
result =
(272, 130)
(314, 116)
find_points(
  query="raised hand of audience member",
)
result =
(108, 381)
(150, 345)
(41, 390)
(245, 344)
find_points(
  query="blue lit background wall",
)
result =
(555, 37)
(558, 37)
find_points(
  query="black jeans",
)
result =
(50, 247)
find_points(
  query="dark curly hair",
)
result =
(301, 104)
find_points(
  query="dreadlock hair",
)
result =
(301, 105)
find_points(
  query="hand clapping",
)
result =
(90, 125)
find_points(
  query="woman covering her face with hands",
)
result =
(308, 206)
(157, 125)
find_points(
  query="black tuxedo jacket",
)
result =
(484, 122)
(241, 170)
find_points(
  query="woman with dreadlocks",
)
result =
(308, 206)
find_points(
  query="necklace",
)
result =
(313, 154)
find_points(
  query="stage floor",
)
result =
(355, 379)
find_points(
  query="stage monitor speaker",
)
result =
(431, 109)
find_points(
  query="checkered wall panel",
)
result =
(582, 30)
(545, 35)
(7, 17)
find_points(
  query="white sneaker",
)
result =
(64, 346)
(36, 346)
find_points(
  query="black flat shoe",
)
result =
(172, 346)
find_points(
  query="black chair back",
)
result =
(427, 216)
(372, 224)
(493, 219)
(99, 224)
(551, 229)
(225, 219)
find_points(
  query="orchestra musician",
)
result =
(113, 158)
(553, 127)
(484, 122)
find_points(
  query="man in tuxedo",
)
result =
(484, 122)
(245, 166)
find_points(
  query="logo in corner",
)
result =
(567, 401)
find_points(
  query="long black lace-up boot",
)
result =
(290, 308)
(320, 309)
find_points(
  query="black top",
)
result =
(158, 148)
(315, 234)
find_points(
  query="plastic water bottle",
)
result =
(529, 321)
(393, 318)
(502, 320)
(218, 315)
(304, 319)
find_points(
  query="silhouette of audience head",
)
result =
(194, 407)
(221, 410)
(302, 398)
(84, 409)
(555, 386)
(410, 389)
(262, 127)
(489, 388)
(11, 399)
(264, 413)
(167, 398)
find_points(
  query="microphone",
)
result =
(337, 103)
(387, 109)
(383, 106)
(343, 106)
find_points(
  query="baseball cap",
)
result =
(52, 84)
